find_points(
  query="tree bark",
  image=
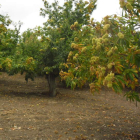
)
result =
(52, 85)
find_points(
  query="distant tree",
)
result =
(8, 42)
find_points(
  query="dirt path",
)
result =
(27, 113)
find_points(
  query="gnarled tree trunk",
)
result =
(52, 85)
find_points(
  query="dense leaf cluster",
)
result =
(107, 53)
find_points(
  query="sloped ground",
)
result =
(28, 113)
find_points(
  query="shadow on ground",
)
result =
(28, 113)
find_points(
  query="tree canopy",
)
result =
(41, 51)
(107, 53)
(8, 43)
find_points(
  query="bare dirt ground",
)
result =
(28, 113)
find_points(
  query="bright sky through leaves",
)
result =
(27, 11)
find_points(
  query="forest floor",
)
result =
(28, 113)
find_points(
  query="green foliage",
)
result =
(27, 56)
(41, 51)
(107, 53)
(8, 43)
(57, 32)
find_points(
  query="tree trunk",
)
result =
(52, 85)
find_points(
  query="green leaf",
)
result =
(121, 78)
(131, 76)
(132, 96)
(116, 88)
